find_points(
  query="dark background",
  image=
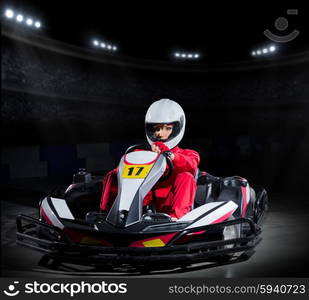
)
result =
(247, 118)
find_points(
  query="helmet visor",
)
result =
(152, 127)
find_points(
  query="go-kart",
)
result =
(224, 222)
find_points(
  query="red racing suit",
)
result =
(174, 196)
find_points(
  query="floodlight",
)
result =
(29, 22)
(9, 13)
(272, 48)
(19, 18)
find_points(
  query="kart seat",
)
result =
(207, 189)
(84, 197)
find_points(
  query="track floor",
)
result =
(283, 252)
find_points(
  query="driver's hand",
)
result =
(162, 147)
(155, 148)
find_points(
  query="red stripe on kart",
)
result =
(224, 217)
(83, 238)
(128, 163)
(45, 218)
(73, 235)
(244, 197)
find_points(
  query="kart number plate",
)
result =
(136, 171)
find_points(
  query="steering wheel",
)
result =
(147, 147)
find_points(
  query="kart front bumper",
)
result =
(63, 249)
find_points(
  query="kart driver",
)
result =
(165, 126)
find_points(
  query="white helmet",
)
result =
(165, 111)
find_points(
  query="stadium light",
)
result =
(264, 51)
(19, 18)
(104, 45)
(186, 55)
(9, 13)
(29, 22)
(272, 48)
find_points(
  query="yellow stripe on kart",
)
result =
(154, 243)
(90, 241)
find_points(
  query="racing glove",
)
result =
(162, 146)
